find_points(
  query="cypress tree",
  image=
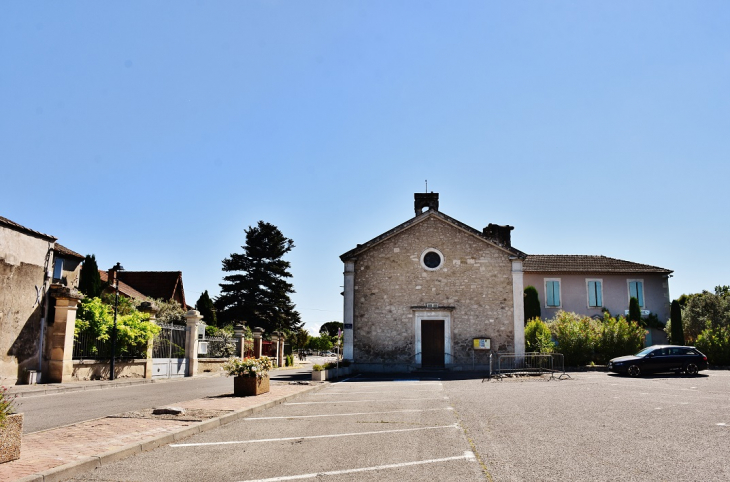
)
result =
(257, 291)
(677, 328)
(89, 280)
(205, 306)
(634, 310)
(532, 304)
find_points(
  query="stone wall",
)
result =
(475, 280)
(22, 271)
(99, 369)
(210, 365)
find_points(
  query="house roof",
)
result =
(167, 285)
(64, 251)
(579, 263)
(422, 217)
(124, 288)
(23, 229)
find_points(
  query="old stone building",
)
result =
(436, 293)
(420, 294)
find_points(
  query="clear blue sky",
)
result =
(154, 133)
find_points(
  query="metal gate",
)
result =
(168, 352)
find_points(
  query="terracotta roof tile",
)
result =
(124, 288)
(579, 263)
(32, 232)
(64, 251)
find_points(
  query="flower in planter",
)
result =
(7, 405)
(248, 367)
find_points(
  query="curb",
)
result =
(87, 464)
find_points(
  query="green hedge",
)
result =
(715, 343)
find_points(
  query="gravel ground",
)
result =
(190, 415)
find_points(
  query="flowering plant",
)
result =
(248, 367)
(7, 405)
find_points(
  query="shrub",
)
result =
(634, 310)
(7, 405)
(317, 368)
(532, 304)
(330, 365)
(676, 333)
(538, 337)
(701, 309)
(715, 343)
(576, 337)
(289, 360)
(617, 337)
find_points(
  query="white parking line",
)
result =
(468, 455)
(366, 401)
(324, 392)
(283, 439)
(347, 414)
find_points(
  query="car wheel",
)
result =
(691, 369)
(634, 371)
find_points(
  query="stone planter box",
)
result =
(250, 386)
(330, 374)
(10, 437)
(319, 376)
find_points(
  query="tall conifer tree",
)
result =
(676, 324)
(257, 291)
(532, 304)
(90, 281)
(205, 306)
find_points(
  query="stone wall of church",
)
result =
(475, 279)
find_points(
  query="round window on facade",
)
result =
(432, 259)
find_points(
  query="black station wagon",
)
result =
(660, 358)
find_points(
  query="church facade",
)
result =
(435, 293)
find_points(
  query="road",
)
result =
(56, 410)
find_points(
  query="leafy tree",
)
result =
(704, 310)
(634, 310)
(257, 292)
(331, 328)
(320, 343)
(532, 304)
(537, 337)
(205, 306)
(299, 339)
(170, 312)
(90, 281)
(677, 334)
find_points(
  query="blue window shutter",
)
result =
(599, 296)
(640, 292)
(592, 293)
(632, 290)
(556, 292)
(553, 293)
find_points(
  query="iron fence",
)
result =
(88, 347)
(169, 342)
(221, 347)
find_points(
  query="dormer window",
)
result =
(57, 269)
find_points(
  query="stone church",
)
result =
(436, 293)
(433, 292)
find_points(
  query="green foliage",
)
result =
(7, 405)
(676, 331)
(257, 291)
(205, 306)
(299, 339)
(617, 337)
(715, 343)
(90, 281)
(317, 368)
(538, 337)
(532, 304)
(330, 328)
(124, 305)
(289, 360)
(582, 339)
(223, 348)
(320, 343)
(705, 310)
(170, 312)
(133, 327)
(634, 310)
(330, 365)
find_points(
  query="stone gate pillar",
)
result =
(60, 335)
(151, 309)
(257, 334)
(239, 333)
(193, 320)
(275, 339)
(280, 350)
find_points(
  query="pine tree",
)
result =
(90, 280)
(676, 324)
(634, 310)
(257, 292)
(205, 306)
(532, 304)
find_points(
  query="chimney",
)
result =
(500, 235)
(112, 276)
(426, 200)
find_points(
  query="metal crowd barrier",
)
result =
(511, 364)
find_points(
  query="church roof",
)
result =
(421, 217)
(580, 263)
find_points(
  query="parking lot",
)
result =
(594, 427)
